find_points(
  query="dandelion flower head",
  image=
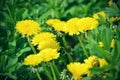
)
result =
(51, 43)
(32, 60)
(77, 70)
(43, 36)
(90, 61)
(102, 13)
(93, 61)
(56, 24)
(71, 26)
(49, 54)
(102, 62)
(27, 27)
(87, 23)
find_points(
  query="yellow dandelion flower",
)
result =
(102, 62)
(56, 24)
(49, 44)
(51, 22)
(87, 23)
(43, 36)
(59, 26)
(102, 13)
(33, 60)
(27, 27)
(77, 70)
(101, 44)
(71, 26)
(49, 54)
(112, 43)
(93, 61)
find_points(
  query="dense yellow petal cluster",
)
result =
(87, 23)
(102, 13)
(71, 26)
(42, 37)
(49, 54)
(102, 62)
(93, 61)
(52, 21)
(45, 55)
(51, 43)
(33, 60)
(77, 70)
(27, 27)
(45, 40)
(56, 24)
(111, 44)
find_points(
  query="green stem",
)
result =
(89, 42)
(69, 57)
(115, 75)
(83, 47)
(38, 75)
(47, 72)
(68, 54)
(6, 78)
(32, 47)
(64, 41)
(44, 67)
(53, 72)
(56, 69)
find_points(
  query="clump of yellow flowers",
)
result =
(45, 40)
(78, 69)
(45, 55)
(48, 47)
(73, 25)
